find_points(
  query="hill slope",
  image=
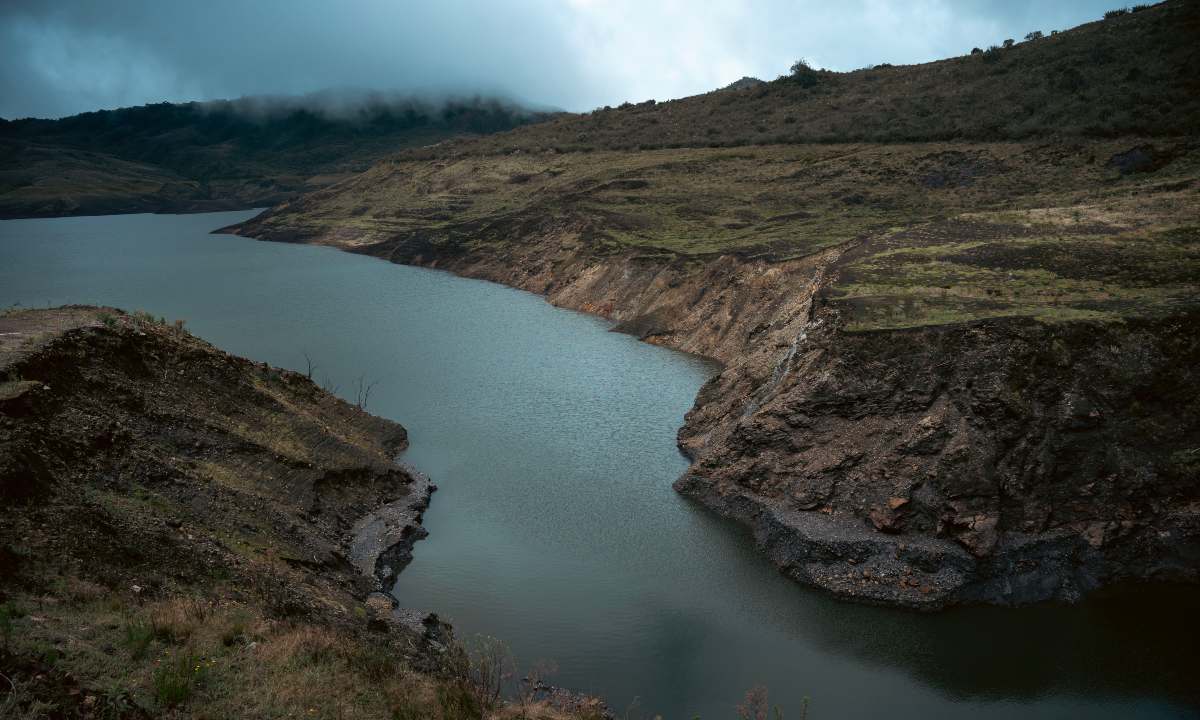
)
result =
(965, 365)
(183, 532)
(220, 155)
(1134, 74)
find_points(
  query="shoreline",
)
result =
(760, 351)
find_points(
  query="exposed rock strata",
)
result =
(1002, 461)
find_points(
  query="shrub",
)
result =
(976, 51)
(1115, 13)
(1035, 35)
(489, 666)
(1009, 43)
(109, 320)
(803, 74)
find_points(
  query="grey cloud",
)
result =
(76, 55)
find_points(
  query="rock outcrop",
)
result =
(1002, 461)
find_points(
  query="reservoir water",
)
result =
(556, 528)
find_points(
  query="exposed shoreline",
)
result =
(767, 316)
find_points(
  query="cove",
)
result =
(556, 528)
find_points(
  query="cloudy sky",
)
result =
(59, 57)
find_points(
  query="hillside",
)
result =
(223, 154)
(184, 536)
(1133, 74)
(956, 301)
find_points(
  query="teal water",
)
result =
(556, 528)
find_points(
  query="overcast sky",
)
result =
(59, 57)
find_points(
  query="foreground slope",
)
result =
(955, 371)
(190, 534)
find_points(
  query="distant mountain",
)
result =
(222, 154)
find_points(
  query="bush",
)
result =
(1035, 35)
(803, 74)
(1009, 43)
(1116, 13)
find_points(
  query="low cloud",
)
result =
(75, 55)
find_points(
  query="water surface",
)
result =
(556, 528)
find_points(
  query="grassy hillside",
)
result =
(43, 180)
(215, 155)
(930, 232)
(1133, 74)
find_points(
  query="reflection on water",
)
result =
(556, 528)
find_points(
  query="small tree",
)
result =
(803, 74)
(489, 667)
(976, 51)
(362, 392)
(1035, 35)
(1009, 43)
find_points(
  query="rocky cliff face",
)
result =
(1003, 461)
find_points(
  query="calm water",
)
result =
(556, 528)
